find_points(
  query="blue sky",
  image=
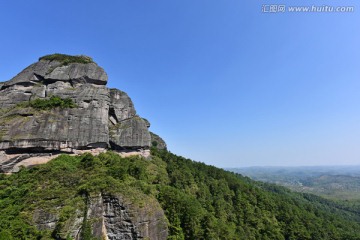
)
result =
(220, 81)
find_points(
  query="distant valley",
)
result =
(332, 182)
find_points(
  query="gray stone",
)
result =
(102, 117)
(157, 141)
(78, 73)
(123, 219)
(11, 96)
(45, 220)
(51, 71)
(112, 217)
(33, 74)
(130, 133)
(121, 106)
(57, 129)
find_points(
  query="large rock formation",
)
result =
(100, 117)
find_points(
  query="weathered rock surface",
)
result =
(102, 118)
(157, 141)
(129, 133)
(78, 73)
(111, 217)
(51, 71)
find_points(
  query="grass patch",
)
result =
(51, 103)
(67, 59)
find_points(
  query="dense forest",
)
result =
(199, 201)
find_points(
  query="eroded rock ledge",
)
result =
(103, 118)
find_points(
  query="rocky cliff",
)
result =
(109, 217)
(61, 104)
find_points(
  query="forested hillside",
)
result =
(199, 201)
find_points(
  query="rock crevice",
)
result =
(109, 217)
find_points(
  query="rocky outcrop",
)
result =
(157, 141)
(48, 71)
(125, 220)
(78, 73)
(129, 133)
(102, 118)
(12, 162)
(109, 217)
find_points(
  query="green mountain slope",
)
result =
(199, 201)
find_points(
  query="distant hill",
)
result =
(340, 182)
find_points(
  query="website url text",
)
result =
(279, 8)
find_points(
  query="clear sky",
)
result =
(221, 81)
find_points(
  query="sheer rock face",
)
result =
(129, 133)
(103, 117)
(121, 219)
(59, 129)
(111, 217)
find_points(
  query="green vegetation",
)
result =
(67, 59)
(334, 186)
(336, 183)
(200, 201)
(47, 104)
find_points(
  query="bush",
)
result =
(46, 104)
(67, 59)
